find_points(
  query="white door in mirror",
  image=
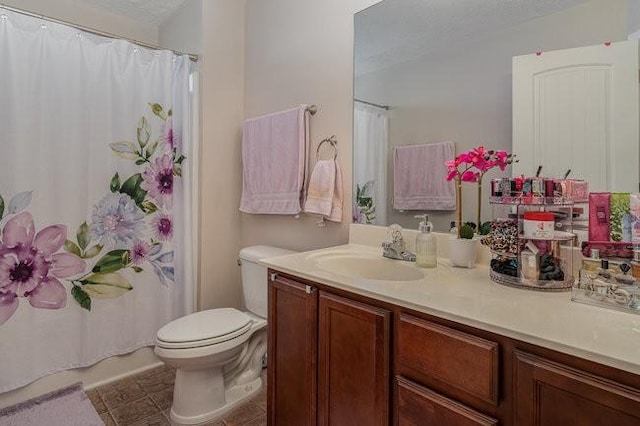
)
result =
(578, 109)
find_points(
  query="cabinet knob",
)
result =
(273, 276)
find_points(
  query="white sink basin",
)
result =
(368, 267)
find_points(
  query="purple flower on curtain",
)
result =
(117, 221)
(169, 136)
(29, 265)
(162, 227)
(140, 252)
(158, 180)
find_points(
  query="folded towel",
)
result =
(325, 195)
(338, 196)
(419, 177)
(274, 160)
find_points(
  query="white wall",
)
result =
(222, 66)
(463, 93)
(182, 31)
(301, 51)
(80, 13)
(634, 17)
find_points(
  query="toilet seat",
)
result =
(203, 329)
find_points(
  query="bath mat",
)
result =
(68, 406)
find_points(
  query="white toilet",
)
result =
(218, 353)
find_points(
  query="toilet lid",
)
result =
(205, 325)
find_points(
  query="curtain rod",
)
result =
(372, 104)
(100, 33)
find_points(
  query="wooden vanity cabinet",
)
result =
(292, 352)
(335, 359)
(548, 393)
(328, 358)
(419, 406)
(353, 362)
(444, 375)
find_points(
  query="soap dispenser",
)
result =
(426, 244)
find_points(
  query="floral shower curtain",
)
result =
(93, 220)
(370, 141)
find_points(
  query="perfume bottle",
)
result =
(603, 271)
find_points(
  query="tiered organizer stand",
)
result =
(559, 246)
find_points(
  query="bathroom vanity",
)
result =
(354, 346)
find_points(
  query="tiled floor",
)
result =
(145, 400)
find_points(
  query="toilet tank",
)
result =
(254, 276)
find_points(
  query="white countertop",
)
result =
(467, 296)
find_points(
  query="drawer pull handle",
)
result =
(273, 277)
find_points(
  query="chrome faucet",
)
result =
(395, 246)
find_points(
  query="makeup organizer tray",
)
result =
(532, 243)
(612, 288)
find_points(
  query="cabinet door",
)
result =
(353, 363)
(552, 394)
(419, 406)
(293, 349)
(578, 109)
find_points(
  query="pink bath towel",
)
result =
(274, 162)
(419, 177)
(324, 196)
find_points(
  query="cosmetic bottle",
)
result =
(453, 229)
(426, 244)
(635, 263)
(604, 271)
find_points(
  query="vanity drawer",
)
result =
(444, 358)
(418, 405)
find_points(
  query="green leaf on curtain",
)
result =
(92, 251)
(105, 286)
(156, 108)
(181, 159)
(151, 149)
(177, 170)
(144, 132)
(1, 206)
(125, 150)
(114, 185)
(140, 162)
(132, 188)
(137, 269)
(170, 113)
(83, 235)
(81, 296)
(148, 207)
(112, 261)
(71, 247)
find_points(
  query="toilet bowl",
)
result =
(218, 353)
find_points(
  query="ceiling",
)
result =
(150, 11)
(395, 31)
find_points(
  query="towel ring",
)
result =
(333, 141)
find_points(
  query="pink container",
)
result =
(599, 216)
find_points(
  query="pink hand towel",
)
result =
(325, 196)
(274, 160)
(419, 181)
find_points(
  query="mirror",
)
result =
(429, 71)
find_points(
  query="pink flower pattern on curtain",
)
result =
(130, 228)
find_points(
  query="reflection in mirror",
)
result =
(444, 70)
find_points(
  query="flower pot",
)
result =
(463, 252)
